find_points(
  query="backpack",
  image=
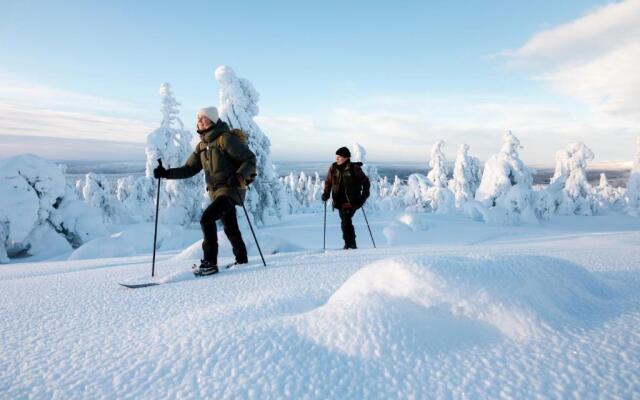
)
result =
(244, 139)
(235, 132)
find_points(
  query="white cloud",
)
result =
(395, 130)
(27, 109)
(594, 58)
(54, 148)
(16, 119)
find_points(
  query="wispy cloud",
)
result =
(594, 59)
(54, 148)
(404, 130)
(27, 109)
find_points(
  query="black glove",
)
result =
(234, 180)
(160, 172)
(325, 196)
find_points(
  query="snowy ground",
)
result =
(444, 308)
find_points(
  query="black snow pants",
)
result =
(224, 209)
(348, 232)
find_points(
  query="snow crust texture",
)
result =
(441, 303)
(470, 311)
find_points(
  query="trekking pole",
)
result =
(250, 226)
(155, 231)
(324, 230)
(367, 221)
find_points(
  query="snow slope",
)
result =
(453, 309)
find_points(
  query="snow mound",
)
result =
(135, 240)
(405, 223)
(439, 304)
(269, 244)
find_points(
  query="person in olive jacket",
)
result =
(349, 188)
(228, 165)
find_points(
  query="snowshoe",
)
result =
(205, 268)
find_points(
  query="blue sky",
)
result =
(393, 77)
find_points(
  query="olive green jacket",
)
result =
(222, 155)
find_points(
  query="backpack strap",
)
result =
(200, 147)
(219, 141)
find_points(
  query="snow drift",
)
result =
(442, 303)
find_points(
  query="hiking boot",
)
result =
(205, 268)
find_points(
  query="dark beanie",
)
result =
(343, 152)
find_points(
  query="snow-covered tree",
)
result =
(632, 195)
(39, 212)
(608, 197)
(439, 197)
(398, 188)
(301, 189)
(466, 176)
(416, 193)
(391, 195)
(239, 106)
(97, 193)
(288, 201)
(506, 184)
(137, 197)
(182, 198)
(385, 186)
(576, 195)
(300, 193)
(438, 172)
(316, 189)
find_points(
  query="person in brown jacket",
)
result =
(349, 188)
(228, 165)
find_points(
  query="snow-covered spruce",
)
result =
(238, 106)
(439, 197)
(182, 199)
(569, 185)
(430, 193)
(415, 196)
(608, 197)
(506, 186)
(137, 197)
(438, 172)
(39, 212)
(632, 195)
(466, 176)
(96, 192)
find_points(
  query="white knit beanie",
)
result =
(209, 112)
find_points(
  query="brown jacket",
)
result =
(221, 159)
(348, 185)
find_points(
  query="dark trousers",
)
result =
(222, 208)
(348, 232)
